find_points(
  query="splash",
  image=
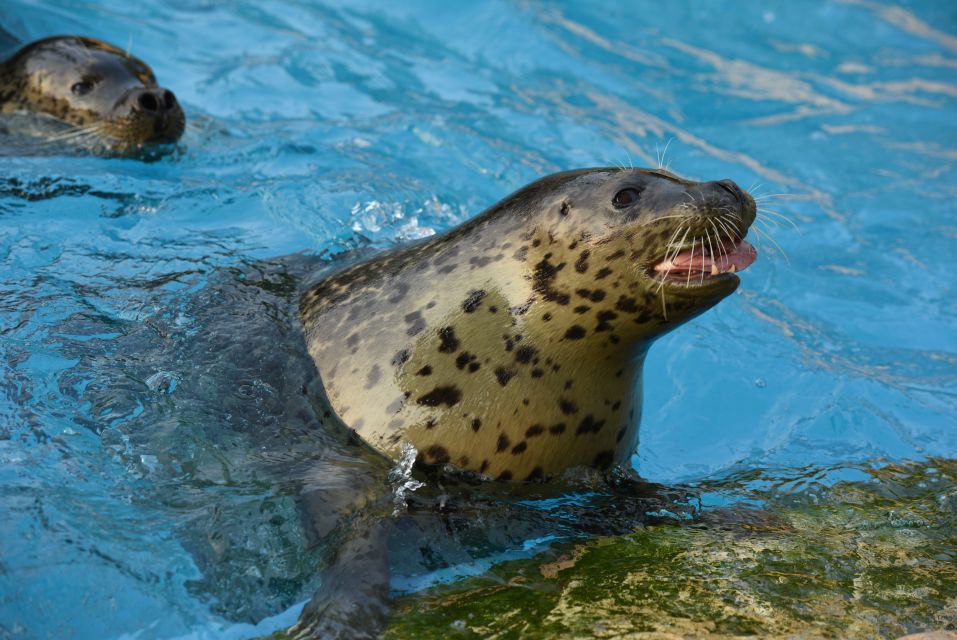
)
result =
(400, 477)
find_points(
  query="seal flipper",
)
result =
(353, 600)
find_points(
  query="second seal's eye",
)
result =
(626, 197)
(82, 88)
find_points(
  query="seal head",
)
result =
(513, 345)
(112, 99)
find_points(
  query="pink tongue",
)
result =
(739, 256)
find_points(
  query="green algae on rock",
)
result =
(875, 557)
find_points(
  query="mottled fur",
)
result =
(513, 345)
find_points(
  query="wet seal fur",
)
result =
(512, 346)
(109, 99)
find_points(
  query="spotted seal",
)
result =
(512, 346)
(109, 98)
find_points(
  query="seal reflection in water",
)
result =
(512, 346)
(111, 99)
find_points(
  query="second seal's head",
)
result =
(112, 98)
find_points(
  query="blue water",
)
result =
(322, 127)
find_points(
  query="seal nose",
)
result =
(155, 100)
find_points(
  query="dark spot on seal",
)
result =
(580, 309)
(476, 424)
(536, 475)
(621, 434)
(604, 459)
(604, 319)
(400, 358)
(424, 371)
(567, 406)
(534, 430)
(618, 254)
(484, 466)
(519, 448)
(557, 429)
(430, 423)
(564, 208)
(575, 332)
(536, 242)
(493, 309)
(546, 317)
(589, 425)
(352, 340)
(447, 395)
(398, 292)
(448, 268)
(448, 342)
(503, 442)
(373, 378)
(537, 373)
(615, 406)
(604, 272)
(595, 296)
(521, 254)
(463, 359)
(626, 304)
(505, 476)
(395, 406)
(503, 375)
(416, 323)
(581, 265)
(545, 274)
(525, 354)
(478, 262)
(437, 454)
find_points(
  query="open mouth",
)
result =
(699, 264)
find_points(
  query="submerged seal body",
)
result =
(110, 98)
(512, 345)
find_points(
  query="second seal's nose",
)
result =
(156, 100)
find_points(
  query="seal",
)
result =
(110, 99)
(512, 346)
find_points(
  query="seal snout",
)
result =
(153, 100)
(158, 111)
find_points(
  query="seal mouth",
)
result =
(701, 264)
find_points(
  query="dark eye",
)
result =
(626, 197)
(82, 88)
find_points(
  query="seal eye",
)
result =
(82, 88)
(626, 197)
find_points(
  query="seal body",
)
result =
(512, 346)
(109, 98)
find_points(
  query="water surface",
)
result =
(138, 502)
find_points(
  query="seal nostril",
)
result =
(169, 100)
(148, 102)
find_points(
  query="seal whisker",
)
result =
(771, 239)
(670, 258)
(688, 279)
(778, 215)
(717, 235)
(75, 134)
(729, 228)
